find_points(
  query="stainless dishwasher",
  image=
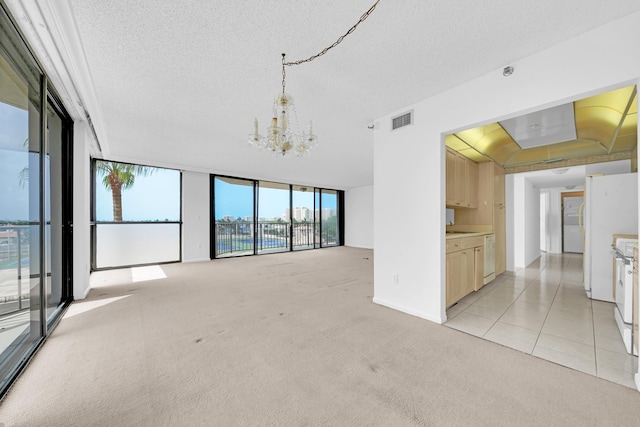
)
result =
(489, 258)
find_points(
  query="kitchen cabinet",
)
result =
(460, 267)
(471, 180)
(451, 178)
(491, 209)
(464, 267)
(498, 185)
(462, 180)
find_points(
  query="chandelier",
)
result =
(282, 137)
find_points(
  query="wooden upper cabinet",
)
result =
(462, 181)
(451, 177)
(471, 178)
(498, 186)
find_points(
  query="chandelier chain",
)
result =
(284, 74)
(336, 43)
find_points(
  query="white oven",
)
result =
(623, 282)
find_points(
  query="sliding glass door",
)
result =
(20, 225)
(35, 214)
(234, 213)
(256, 217)
(302, 217)
(53, 179)
(329, 218)
(274, 217)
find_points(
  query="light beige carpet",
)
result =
(287, 340)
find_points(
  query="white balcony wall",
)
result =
(131, 244)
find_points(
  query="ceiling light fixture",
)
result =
(507, 71)
(280, 139)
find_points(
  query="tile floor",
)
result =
(543, 310)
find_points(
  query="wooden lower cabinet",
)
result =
(465, 267)
(460, 267)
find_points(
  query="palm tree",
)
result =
(23, 175)
(118, 177)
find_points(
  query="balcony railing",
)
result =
(270, 236)
(14, 268)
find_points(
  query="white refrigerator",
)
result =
(610, 207)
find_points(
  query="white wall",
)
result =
(526, 220)
(544, 214)
(554, 221)
(532, 223)
(358, 219)
(409, 162)
(196, 214)
(81, 213)
(510, 220)
(518, 208)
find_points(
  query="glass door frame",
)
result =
(317, 216)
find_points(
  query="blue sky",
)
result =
(237, 200)
(13, 158)
(154, 197)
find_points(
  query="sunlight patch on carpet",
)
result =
(82, 307)
(143, 274)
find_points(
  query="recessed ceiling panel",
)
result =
(543, 127)
(556, 152)
(455, 143)
(490, 140)
(602, 118)
(599, 125)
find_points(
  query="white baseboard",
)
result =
(187, 261)
(407, 310)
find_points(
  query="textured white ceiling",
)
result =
(179, 82)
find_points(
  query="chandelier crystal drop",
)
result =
(280, 139)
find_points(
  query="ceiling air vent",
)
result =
(402, 120)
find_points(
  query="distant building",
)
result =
(328, 213)
(300, 214)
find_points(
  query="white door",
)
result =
(572, 240)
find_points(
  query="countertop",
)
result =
(461, 234)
